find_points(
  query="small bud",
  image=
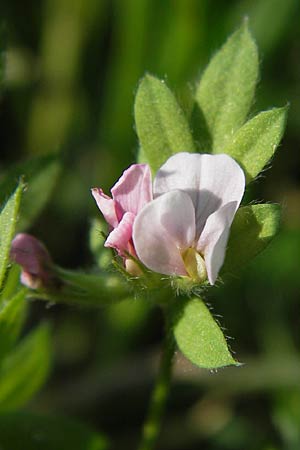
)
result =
(33, 257)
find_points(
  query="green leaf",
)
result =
(227, 87)
(12, 283)
(24, 371)
(8, 220)
(24, 430)
(254, 144)
(160, 123)
(199, 337)
(253, 228)
(12, 315)
(40, 175)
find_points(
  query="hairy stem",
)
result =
(157, 406)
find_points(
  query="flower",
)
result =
(129, 195)
(185, 229)
(33, 257)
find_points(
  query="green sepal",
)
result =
(254, 144)
(161, 125)
(25, 369)
(8, 221)
(30, 431)
(226, 89)
(199, 337)
(253, 228)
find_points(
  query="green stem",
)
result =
(157, 406)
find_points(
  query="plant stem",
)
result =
(157, 406)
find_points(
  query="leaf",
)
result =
(227, 87)
(24, 430)
(160, 123)
(254, 144)
(24, 371)
(40, 175)
(199, 337)
(12, 315)
(12, 283)
(253, 228)
(8, 220)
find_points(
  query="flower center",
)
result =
(194, 265)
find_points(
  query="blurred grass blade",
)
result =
(25, 369)
(8, 220)
(281, 12)
(102, 255)
(40, 175)
(12, 315)
(161, 125)
(131, 19)
(227, 87)
(28, 431)
(254, 144)
(199, 337)
(253, 228)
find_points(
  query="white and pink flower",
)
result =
(182, 228)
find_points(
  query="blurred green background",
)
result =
(71, 71)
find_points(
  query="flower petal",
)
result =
(210, 180)
(119, 237)
(133, 190)
(162, 230)
(214, 237)
(107, 206)
(30, 253)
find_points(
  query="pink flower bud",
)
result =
(33, 257)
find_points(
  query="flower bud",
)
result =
(33, 257)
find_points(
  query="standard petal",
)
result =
(107, 206)
(133, 190)
(210, 180)
(214, 237)
(121, 235)
(162, 230)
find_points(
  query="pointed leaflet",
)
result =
(24, 430)
(12, 315)
(253, 228)
(227, 87)
(24, 370)
(199, 337)
(160, 123)
(8, 220)
(254, 144)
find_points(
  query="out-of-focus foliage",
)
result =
(50, 433)
(71, 72)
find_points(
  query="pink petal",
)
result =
(119, 237)
(33, 257)
(133, 190)
(210, 180)
(30, 253)
(162, 230)
(214, 237)
(107, 206)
